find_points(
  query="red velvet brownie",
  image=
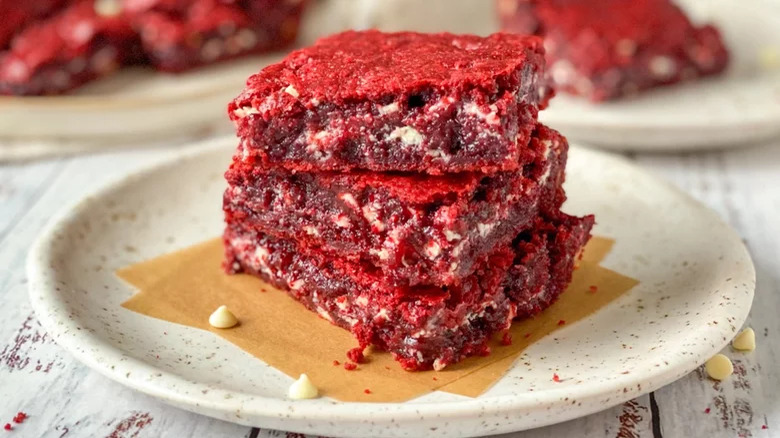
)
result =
(17, 14)
(433, 103)
(178, 34)
(610, 48)
(417, 228)
(422, 326)
(72, 47)
(51, 46)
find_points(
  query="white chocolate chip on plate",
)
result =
(302, 389)
(719, 367)
(223, 318)
(745, 340)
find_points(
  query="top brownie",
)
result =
(611, 48)
(435, 103)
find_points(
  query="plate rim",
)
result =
(70, 336)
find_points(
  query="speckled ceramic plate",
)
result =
(735, 109)
(696, 288)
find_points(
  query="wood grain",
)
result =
(65, 399)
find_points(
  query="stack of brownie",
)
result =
(399, 185)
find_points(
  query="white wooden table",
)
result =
(65, 399)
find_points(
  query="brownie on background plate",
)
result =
(605, 49)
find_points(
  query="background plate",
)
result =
(735, 109)
(697, 283)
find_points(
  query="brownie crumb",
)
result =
(506, 339)
(356, 355)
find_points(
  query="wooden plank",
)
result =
(62, 397)
(743, 186)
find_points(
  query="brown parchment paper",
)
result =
(186, 286)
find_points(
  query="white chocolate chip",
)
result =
(245, 111)
(662, 67)
(211, 50)
(303, 389)
(432, 250)
(562, 72)
(769, 57)
(485, 229)
(451, 235)
(223, 318)
(107, 8)
(246, 39)
(407, 134)
(719, 367)
(625, 47)
(349, 200)
(388, 109)
(745, 340)
(291, 91)
(438, 365)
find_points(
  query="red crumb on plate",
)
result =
(506, 339)
(556, 378)
(20, 417)
(355, 355)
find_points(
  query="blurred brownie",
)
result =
(416, 228)
(434, 103)
(72, 47)
(52, 46)
(422, 326)
(178, 35)
(606, 49)
(17, 14)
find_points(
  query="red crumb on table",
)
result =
(556, 378)
(435, 378)
(561, 322)
(506, 339)
(336, 363)
(8, 426)
(707, 411)
(387, 367)
(20, 417)
(349, 366)
(527, 335)
(367, 391)
(593, 288)
(355, 355)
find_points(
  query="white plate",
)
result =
(697, 283)
(735, 109)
